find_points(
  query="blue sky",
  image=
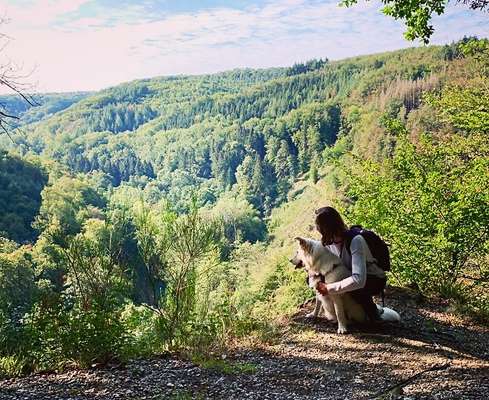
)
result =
(91, 44)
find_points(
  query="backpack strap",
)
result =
(354, 230)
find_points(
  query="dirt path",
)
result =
(309, 361)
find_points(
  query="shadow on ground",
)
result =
(309, 361)
(464, 337)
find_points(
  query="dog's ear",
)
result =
(305, 244)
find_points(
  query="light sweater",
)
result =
(361, 263)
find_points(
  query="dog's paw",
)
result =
(330, 317)
(311, 315)
(342, 329)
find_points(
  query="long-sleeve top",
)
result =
(361, 262)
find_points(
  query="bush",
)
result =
(73, 335)
(431, 203)
(143, 334)
(13, 366)
(17, 294)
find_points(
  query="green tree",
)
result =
(95, 263)
(417, 14)
(431, 202)
(465, 105)
(241, 221)
(66, 204)
(18, 292)
(174, 250)
(21, 183)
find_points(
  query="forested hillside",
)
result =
(257, 130)
(162, 212)
(21, 183)
(38, 107)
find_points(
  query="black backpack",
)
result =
(377, 246)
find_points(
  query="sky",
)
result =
(72, 45)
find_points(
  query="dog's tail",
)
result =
(388, 314)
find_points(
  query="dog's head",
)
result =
(305, 258)
(303, 255)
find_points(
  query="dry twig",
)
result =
(394, 391)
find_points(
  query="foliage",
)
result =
(184, 136)
(12, 366)
(173, 250)
(66, 204)
(72, 333)
(429, 202)
(467, 109)
(89, 318)
(143, 334)
(18, 293)
(42, 107)
(301, 68)
(417, 14)
(240, 221)
(95, 262)
(168, 218)
(17, 288)
(465, 104)
(21, 183)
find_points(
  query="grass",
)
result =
(13, 366)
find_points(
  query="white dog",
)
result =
(320, 263)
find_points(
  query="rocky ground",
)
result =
(308, 361)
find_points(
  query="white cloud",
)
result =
(91, 53)
(39, 13)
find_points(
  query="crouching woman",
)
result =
(367, 278)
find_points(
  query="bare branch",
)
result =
(3, 128)
(12, 78)
(15, 87)
(387, 393)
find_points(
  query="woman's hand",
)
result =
(322, 288)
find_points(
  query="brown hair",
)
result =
(329, 224)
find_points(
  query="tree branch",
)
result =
(395, 389)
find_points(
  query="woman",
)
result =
(367, 278)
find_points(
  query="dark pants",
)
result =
(363, 296)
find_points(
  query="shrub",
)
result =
(71, 334)
(13, 366)
(143, 334)
(431, 203)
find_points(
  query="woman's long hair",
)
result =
(329, 224)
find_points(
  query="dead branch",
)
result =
(12, 78)
(395, 390)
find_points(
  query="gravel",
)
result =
(308, 361)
